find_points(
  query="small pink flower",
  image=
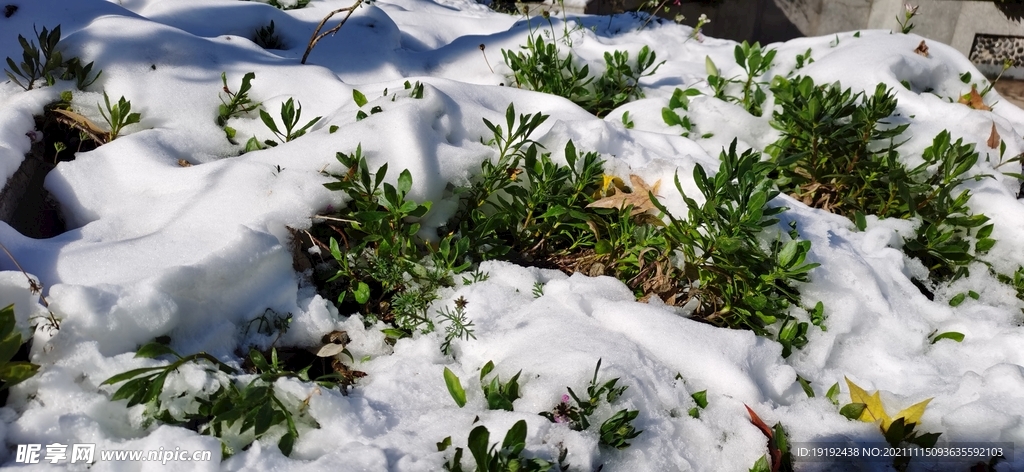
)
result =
(565, 398)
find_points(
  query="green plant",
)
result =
(256, 405)
(737, 280)
(455, 387)
(267, 39)
(288, 5)
(458, 327)
(755, 63)
(489, 458)
(237, 103)
(541, 68)
(44, 61)
(12, 373)
(838, 153)
(499, 395)
(681, 100)
(290, 115)
(119, 116)
(908, 14)
(701, 400)
(383, 268)
(614, 431)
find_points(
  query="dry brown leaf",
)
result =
(973, 99)
(84, 124)
(640, 197)
(184, 163)
(922, 49)
(993, 138)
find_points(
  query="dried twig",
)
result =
(317, 36)
(34, 286)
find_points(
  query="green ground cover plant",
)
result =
(541, 66)
(734, 278)
(755, 62)
(489, 457)
(242, 408)
(45, 62)
(839, 153)
(526, 208)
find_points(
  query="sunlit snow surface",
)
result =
(197, 252)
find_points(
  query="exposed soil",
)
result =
(24, 203)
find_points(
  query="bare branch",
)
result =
(317, 36)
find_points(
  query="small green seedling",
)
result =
(290, 115)
(118, 116)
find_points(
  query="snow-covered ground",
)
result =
(195, 253)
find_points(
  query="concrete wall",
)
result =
(954, 22)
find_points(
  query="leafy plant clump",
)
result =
(385, 269)
(526, 208)
(266, 38)
(616, 431)
(541, 67)
(755, 63)
(239, 409)
(236, 104)
(489, 457)
(44, 62)
(839, 153)
(732, 277)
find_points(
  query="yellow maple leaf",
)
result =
(874, 411)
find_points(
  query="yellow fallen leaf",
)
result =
(639, 198)
(873, 411)
(913, 413)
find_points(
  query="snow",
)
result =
(198, 252)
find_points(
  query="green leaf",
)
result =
(806, 386)
(9, 347)
(286, 443)
(957, 300)
(701, 398)
(153, 350)
(709, 66)
(362, 293)
(761, 465)
(833, 394)
(479, 438)
(7, 321)
(13, 373)
(955, 336)
(130, 374)
(269, 121)
(515, 438)
(860, 220)
(853, 410)
(486, 369)
(359, 98)
(455, 387)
